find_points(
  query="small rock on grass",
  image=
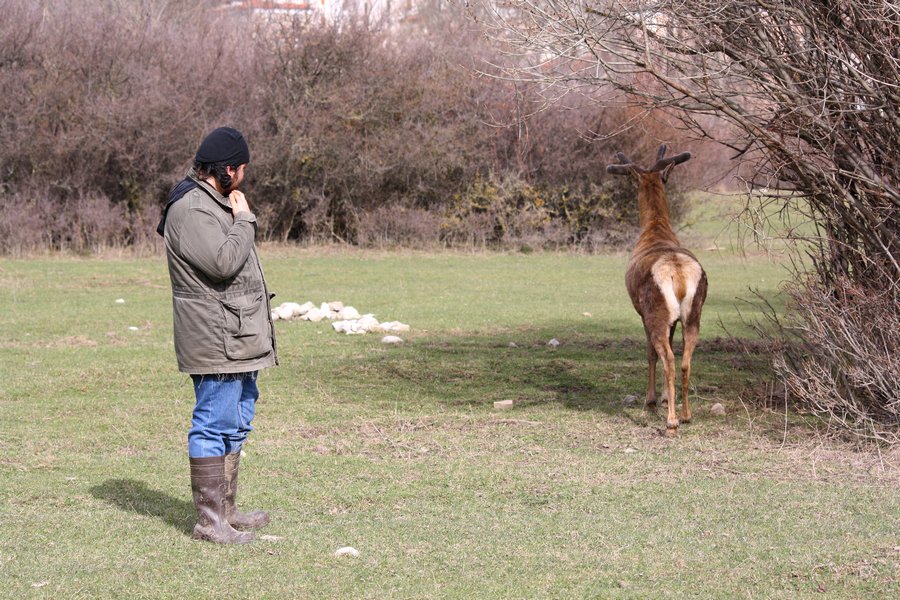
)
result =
(391, 339)
(395, 326)
(717, 409)
(503, 404)
(346, 551)
(630, 400)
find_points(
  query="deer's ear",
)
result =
(664, 174)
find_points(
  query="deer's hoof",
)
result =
(671, 428)
(685, 418)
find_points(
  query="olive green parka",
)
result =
(220, 302)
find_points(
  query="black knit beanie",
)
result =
(223, 145)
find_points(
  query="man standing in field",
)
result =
(223, 326)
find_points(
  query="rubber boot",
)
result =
(237, 519)
(209, 485)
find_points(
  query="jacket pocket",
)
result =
(246, 328)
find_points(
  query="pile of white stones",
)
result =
(345, 319)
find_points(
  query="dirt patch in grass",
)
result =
(72, 341)
(586, 446)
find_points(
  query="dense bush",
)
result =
(358, 134)
(495, 211)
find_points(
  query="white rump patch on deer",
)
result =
(677, 277)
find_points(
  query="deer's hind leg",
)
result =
(664, 350)
(690, 330)
(691, 333)
(665, 394)
(652, 356)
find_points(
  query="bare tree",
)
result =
(811, 90)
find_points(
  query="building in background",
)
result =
(392, 11)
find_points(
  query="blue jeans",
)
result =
(225, 406)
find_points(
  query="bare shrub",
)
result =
(358, 123)
(81, 224)
(409, 227)
(838, 354)
(105, 102)
(23, 227)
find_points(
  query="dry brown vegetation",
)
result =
(359, 133)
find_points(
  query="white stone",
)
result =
(284, 312)
(275, 316)
(717, 409)
(315, 315)
(348, 327)
(391, 339)
(368, 323)
(346, 551)
(336, 306)
(120, 300)
(132, 328)
(325, 310)
(503, 404)
(293, 307)
(554, 343)
(394, 327)
(349, 313)
(305, 308)
(513, 345)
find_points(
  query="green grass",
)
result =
(398, 452)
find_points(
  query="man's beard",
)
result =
(235, 183)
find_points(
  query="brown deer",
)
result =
(666, 282)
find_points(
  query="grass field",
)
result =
(398, 452)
